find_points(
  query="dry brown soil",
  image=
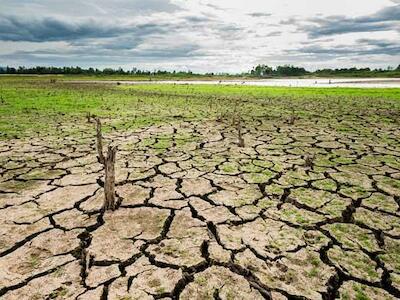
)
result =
(300, 212)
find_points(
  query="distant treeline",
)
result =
(358, 72)
(82, 71)
(288, 70)
(262, 71)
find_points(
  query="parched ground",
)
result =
(309, 208)
(303, 211)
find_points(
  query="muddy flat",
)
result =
(308, 207)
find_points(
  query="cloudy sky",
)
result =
(200, 35)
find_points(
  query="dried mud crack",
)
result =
(294, 212)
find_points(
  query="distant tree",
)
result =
(109, 71)
(398, 68)
(288, 70)
(262, 70)
(10, 70)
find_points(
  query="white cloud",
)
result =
(200, 35)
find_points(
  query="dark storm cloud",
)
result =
(363, 47)
(22, 29)
(87, 55)
(385, 19)
(377, 43)
(341, 25)
(91, 40)
(51, 29)
(80, 19)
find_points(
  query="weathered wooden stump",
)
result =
(292, 118)
(309, 161)
(109, 167)
(109, 186)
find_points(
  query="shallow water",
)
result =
(317, 83)
(334, 82)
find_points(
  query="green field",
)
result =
(30, 104)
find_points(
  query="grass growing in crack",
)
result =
(125, 298)
(59, 272)
(58, 293)
(154, 282)
(229, 168)
(290, 276)
(17, 186)
(201, 280)
(314, 272)
(360, 295)
(161, 290)
(34, 261)
(36, 296)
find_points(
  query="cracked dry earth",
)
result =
(201, 218)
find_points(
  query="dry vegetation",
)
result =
(220, 192)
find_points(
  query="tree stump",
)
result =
(308, 161)
(292, 118)
(109, 186)
(109, 166)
